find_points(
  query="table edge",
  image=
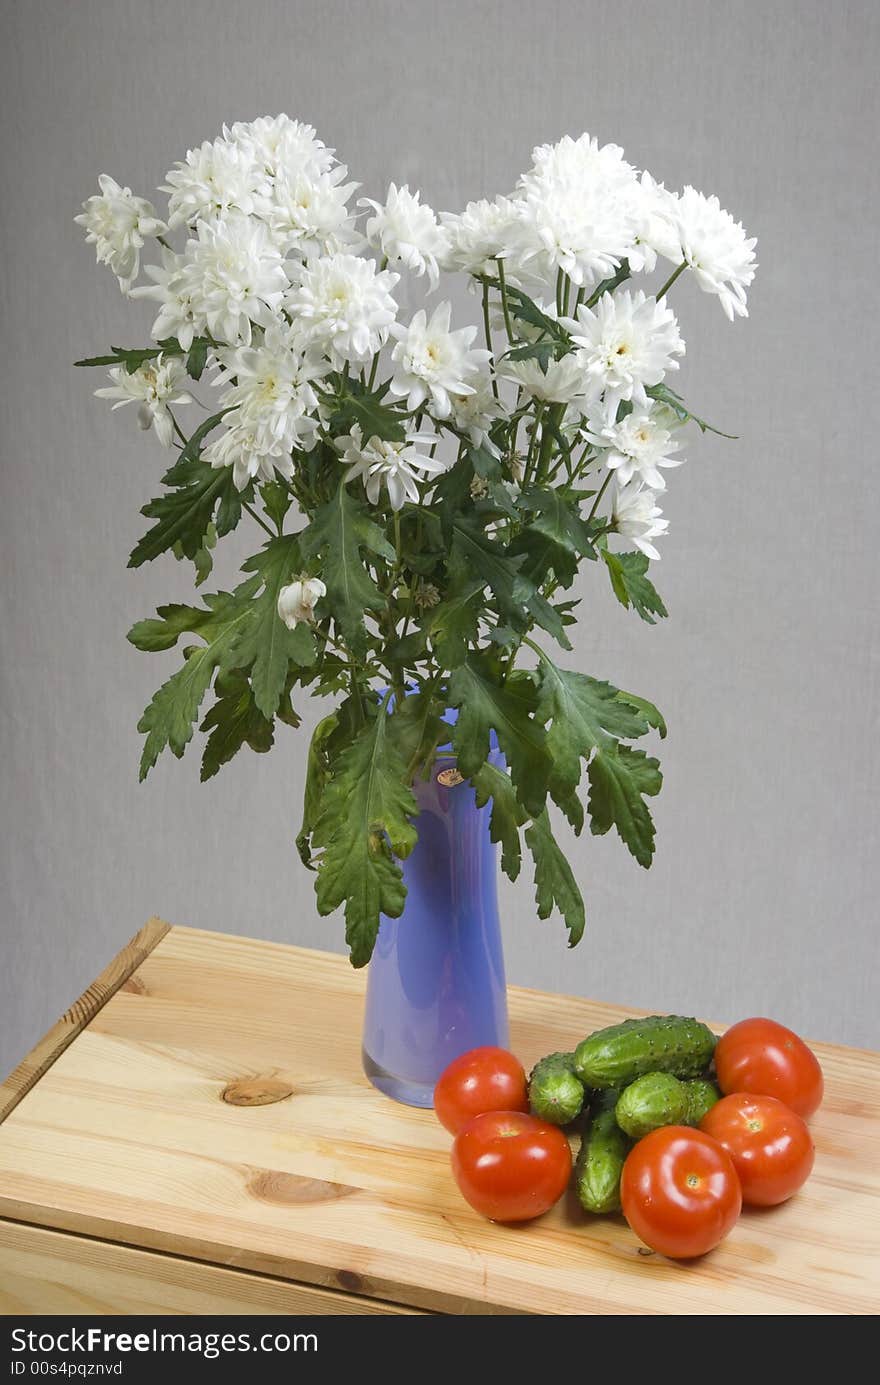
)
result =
(46, 1050)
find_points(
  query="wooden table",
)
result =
(196, 1136)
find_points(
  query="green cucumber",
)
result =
(601, 1157)
(555, 1094)
(655, 1099)
(701, 1097)
(616, 1056)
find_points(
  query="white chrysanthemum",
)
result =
(398, 466)
(433, 362)
(716, 248)
(636, 516)
(580, 210)
(637, 446)
(308, 213)
(233, 276)
(117, 224)
(563, 382)
(473, 414)
(273, 405)
(277, 144)
(345, 305)
(153, 387)
(653, 209)
(405, 230)
(176, 317)
(483, 233)
(213, 179)
(628, 342)
(297, 601)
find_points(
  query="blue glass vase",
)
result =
(436, 984)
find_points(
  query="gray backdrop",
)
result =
(763, 895)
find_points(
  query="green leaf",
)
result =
(543, 555)
(277, 500)
(557, 519)
(317, 774)
(197, 357)
(506, 817)
(416, 730)
(631, 586)
(555, 885)
(583, 715)
(133, 357)
(486, 704)
(339, 531)
(234, 721)
(355, 405)
(169, 719)
(652, 714)
(664, 395)
(453, 625)
(524, 309)
(610, 284)
(184, 515)
(364, 824)
(545, 351)
(192, 449)
(620, 778)
(267, 647)
(484, 462)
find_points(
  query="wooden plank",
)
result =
(45, 1052)
(130, 1137)
(44, 1271)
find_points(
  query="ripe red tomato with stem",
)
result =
(483, 1079)
(763, 1057)
(679, 1191)
(510, 1166)
(769, 1144)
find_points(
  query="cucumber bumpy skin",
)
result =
(555, 1094)
(653, 1100)
(616, 1056)
(601, 1158)
(701, 1097)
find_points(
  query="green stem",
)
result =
(671, 280)
(560, 277)
(505, 307)
(488, 330)
(375, 366)
(253, 514)
(600, 492)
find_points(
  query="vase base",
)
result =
(401, 1089)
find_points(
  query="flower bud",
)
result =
(297, 601)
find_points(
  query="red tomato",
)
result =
(769, 1144)
(764, 1057)
(483, 1079)
(680, 1192)
(510, 1166)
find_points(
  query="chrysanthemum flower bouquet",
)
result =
(426, 492)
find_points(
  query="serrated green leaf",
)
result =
(582, 715)
(664, 395)
(184, 515)
(171, 715)
(620, 778)
(197, 357)
(453, 624)
(374, 418)
(542, 556)
(317, 774)
(555, 885)
(652, 714)
(416, 730)
(631, 586)
(487, 703)
(340, 530)
(484, 462)
(277, 500)
(557, 519)
(364, 824)
(267, 647)
(234, 721)
(620, 275)
(507, 816)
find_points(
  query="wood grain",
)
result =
(44, 1271)
(127, 1138)
(44, 1053)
